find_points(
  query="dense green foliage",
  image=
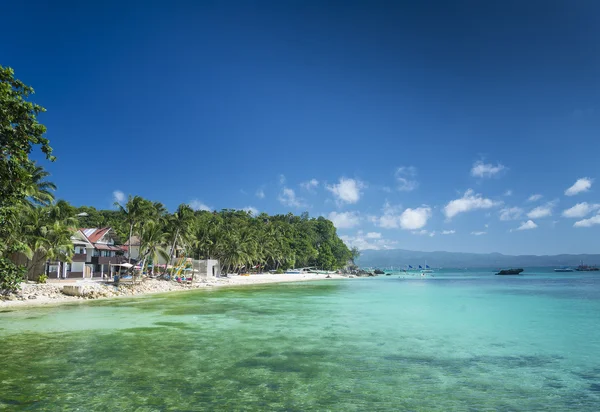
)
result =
(20, 132)
(10, 275)
(34, 229)
(237, 239)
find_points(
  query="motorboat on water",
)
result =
(510, 272)
(563, 269)
(586, 268)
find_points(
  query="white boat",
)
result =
(294, 271)
(565, 269)
(299, 271)
(425, 269)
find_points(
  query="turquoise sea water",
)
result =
(460, 340)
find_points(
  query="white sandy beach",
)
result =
(32, 294)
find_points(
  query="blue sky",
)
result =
(410, 120)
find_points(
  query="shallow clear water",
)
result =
(454, 341)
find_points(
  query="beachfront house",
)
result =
(134, 243)
(95, 251)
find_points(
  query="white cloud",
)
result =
(469, 201)
(119, 196)
(595, 220)
(580, 210)
(481, 169)
(260, 194)
(373, 235)
(347, 190)
(535, 197)
(288, 198)
(405, 178)
(530, 224)
(508, 193)
(364, 243)
(581, 185)
(310, 185)
(541, 211)
(198, 205)
(478, 233)
(281, 179)
(412, 219)
(448, 232)
(252, 210)
(344, 220)
(409, 219)
(510, 213)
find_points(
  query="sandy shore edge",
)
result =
(49, 294)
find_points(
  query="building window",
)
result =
(96, 252)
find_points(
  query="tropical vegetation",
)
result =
(35, 228)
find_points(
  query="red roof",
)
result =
(94, 235)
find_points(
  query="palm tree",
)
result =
(44, 238)
(179, 229)
(153, 239)
(133, 212)
(39, 191)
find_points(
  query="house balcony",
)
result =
(79, 257)
(104, 260)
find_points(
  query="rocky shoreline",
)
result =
(36, 294)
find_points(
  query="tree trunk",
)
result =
(129, 242)
(172, 249)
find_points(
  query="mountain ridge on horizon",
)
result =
(403, 257)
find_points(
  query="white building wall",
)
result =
(135, 252)
(207, 269)
(90, 253)
(77, 266)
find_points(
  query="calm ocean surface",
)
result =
(461, 340)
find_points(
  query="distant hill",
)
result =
(401, 257)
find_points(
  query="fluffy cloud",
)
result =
(481, 169)
(405, 178)
(347, 190)
(282, 179)
(581, 185)
(252, 210)
(310, 185)
(118, 196)
(373, 235)
(344, 220)
(409, 219)
(363, 242)
(595, 220)
(469, 201)
(260, 194)
(580, 210)
(448, 232)
(541, 211)
(198, 205)
(508, 193)
(530, 224)
(412, 219)
(478, 233)
(510, 213)
(535, 197)
(288, 198)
